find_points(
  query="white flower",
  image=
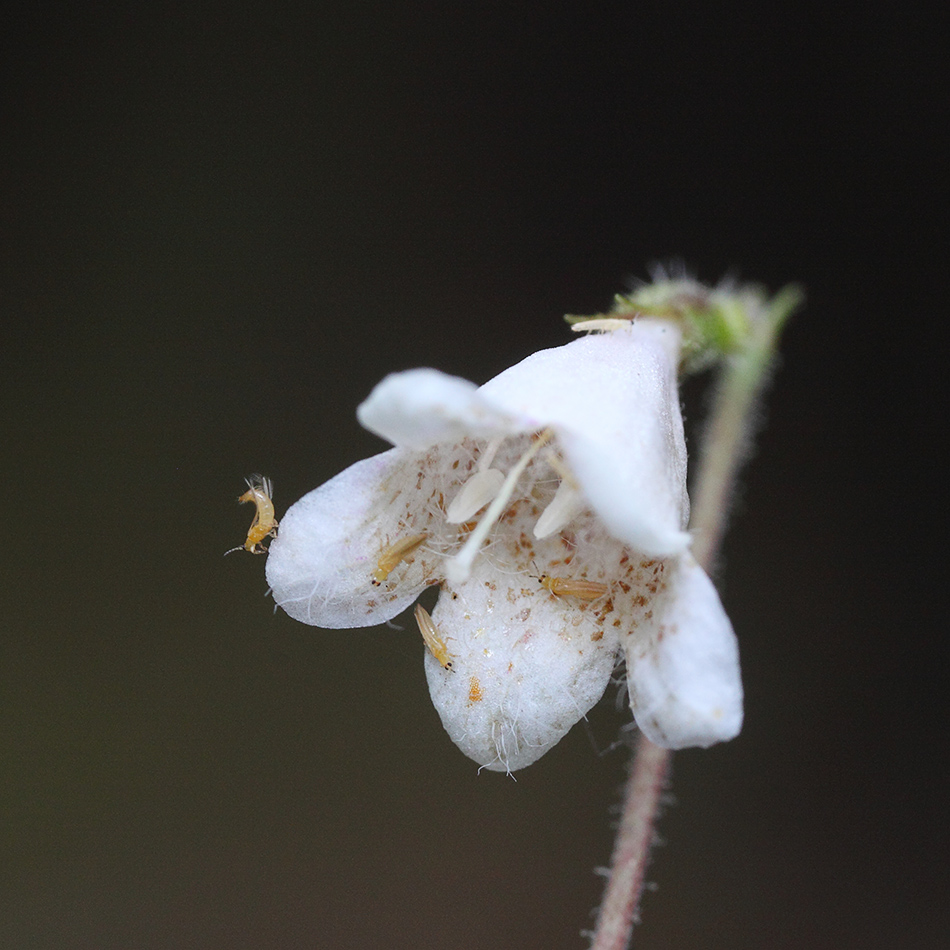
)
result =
(550, 506)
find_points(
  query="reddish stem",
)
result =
(618, 912)
(726, 444)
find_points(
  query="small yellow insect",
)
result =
(435, 643)
(259, 490)
(394, 555)
(565, 587)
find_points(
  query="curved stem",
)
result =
(725, 448)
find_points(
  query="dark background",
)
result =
(218, 232)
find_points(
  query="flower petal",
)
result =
(320, 566)
(613, 403)
(526, 666)
(683, 664)
(423, 407)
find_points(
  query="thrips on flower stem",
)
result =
(259, 491)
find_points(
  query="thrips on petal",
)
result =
(259, 491)
(393, 555)
(430, 633)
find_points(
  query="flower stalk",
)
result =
(731, 425)
(744, 369)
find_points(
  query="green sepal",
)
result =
(718, 322)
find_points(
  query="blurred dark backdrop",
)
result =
(219, 231)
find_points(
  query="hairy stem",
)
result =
(731, 425)
(618, 912)
(725, 447)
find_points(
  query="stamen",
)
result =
(488, 456)
(563, 508)
(477, 492)
(561, 467)
(460, 567)
(480, 489)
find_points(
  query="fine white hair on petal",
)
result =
(683, 664)
(423, 407)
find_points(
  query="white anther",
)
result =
(566, 505)
(488, 456)
(477, 492)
